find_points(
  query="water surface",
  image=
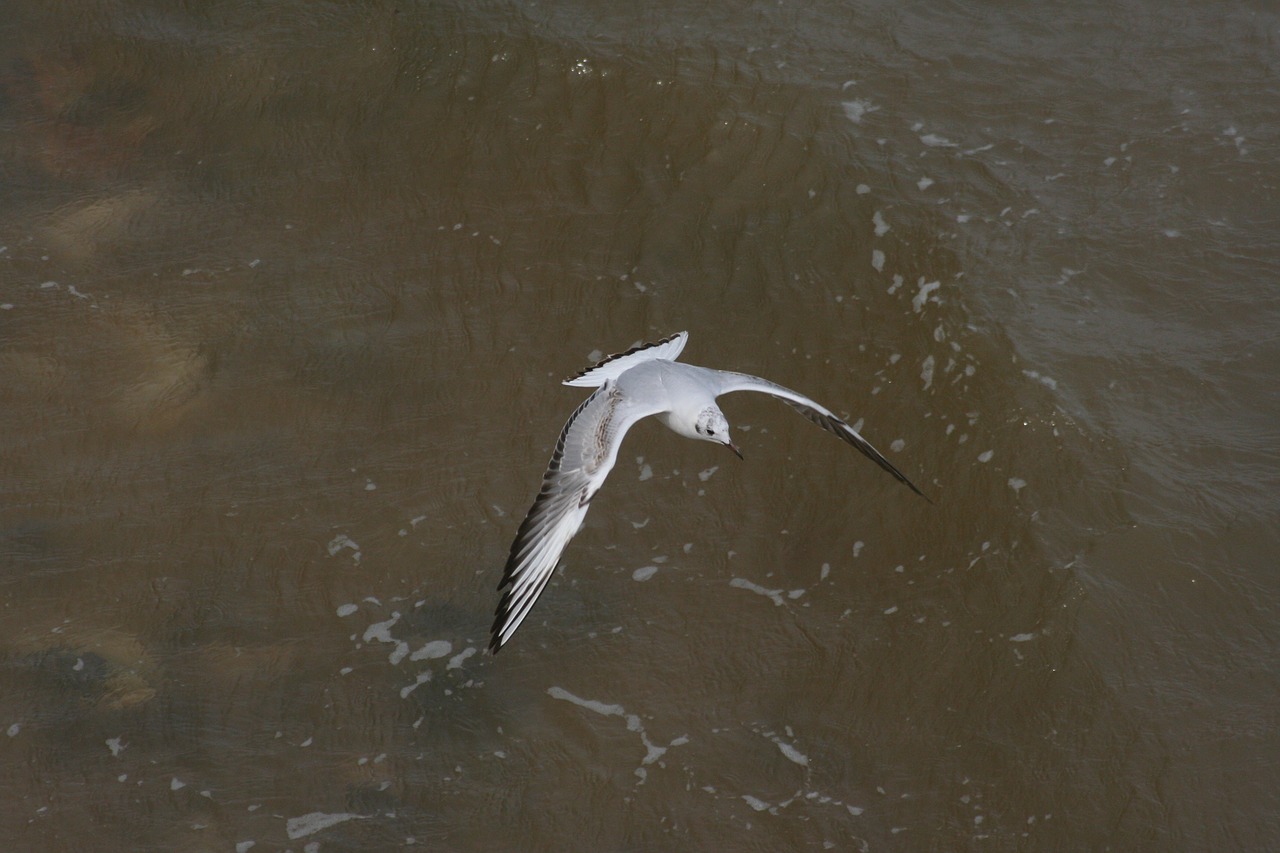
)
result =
(286, 293)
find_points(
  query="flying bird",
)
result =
(643, 381)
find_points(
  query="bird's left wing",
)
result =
(583, 457)
(820, 415)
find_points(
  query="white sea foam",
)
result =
(857, 109)
(457, 660)
(644, 573)
(653, 751)
(922, 295)
(742, 583)
(432, 650)
(309, 824)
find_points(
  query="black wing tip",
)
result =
(866, 449)
(499, 622)
(850, 436)
(897, 475)
(912, 487)
(617, 355)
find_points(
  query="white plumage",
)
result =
(641, 382)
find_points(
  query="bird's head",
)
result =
(711, 425)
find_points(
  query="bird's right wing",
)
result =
(613, 366)
(583, 458)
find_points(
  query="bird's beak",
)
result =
(734, 448)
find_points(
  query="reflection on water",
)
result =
(285, 298)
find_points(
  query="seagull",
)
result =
(643, 381)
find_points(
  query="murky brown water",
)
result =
(285, 296)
